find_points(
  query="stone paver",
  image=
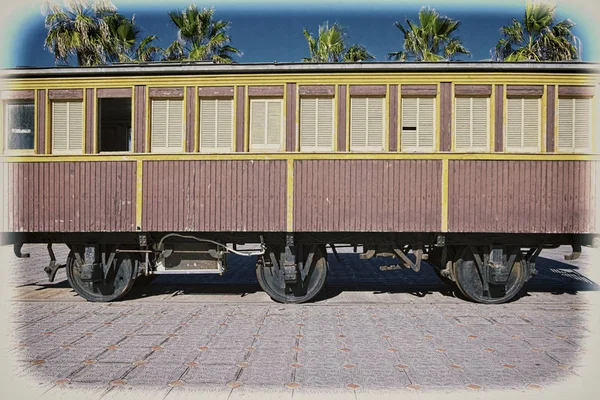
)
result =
(371, 333)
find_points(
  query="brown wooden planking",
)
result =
(472, 90)
(521, 196)
(290, 118)
(71, 196)
(341, 110)
(499, 120)
(419, 90)
(139, 112)
(102, 93)
(41, 122)
(17, 94)
(316, 90)
(174, 92)
(65, 94)
(550, 116)
(215, 91)
(524, 90)
(367, 195)
(576, 91)
(239, 119)
(445, 116)
(367, 90)
(393, 120)
(190, 126)
(224, 196)
(89, 121)
(265, 90)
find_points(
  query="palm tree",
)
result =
(330, 46)
(431, 40)
(146, 51)
(93, 32)
(124, 35)
(539, 38)
(78, 30)
(199, 37)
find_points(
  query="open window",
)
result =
(114, 124)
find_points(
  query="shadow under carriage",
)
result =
(350, 273)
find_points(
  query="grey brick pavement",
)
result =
(385, 333)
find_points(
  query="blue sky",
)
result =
(268, 31)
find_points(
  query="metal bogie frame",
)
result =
(292, 267)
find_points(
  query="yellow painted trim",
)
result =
(247, 119)
(132, 118)
(543, 117)
(399, 106)
(84, 110)
(453, 118)
(184, 133)
(555, 149)
(504, 113)
(492, 119)
(138, 194)
(335, 118)
(438, 125)
(347, 118)
(35, 123)
(297, 122)
(444, 224)
(147, 122)
(48, 127)
(290, 195)
(234, 130)
(303, 156)
(284, 117)
(301, 78)
(196, 141)
(95, 130)
(386, 120)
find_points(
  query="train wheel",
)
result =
(114, 287)
(470, 282)
(272, 282)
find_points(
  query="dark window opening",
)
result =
(409, 128)
(114, 124)
(19, 125)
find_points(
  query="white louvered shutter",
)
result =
(67, 127)
(167, 125)
(216, 125)
(471, 124)
(418, 124)
(523, 124)
(316, 124)
(367, 123)
(266, 124)
(574, 124)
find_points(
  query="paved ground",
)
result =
(371, 333)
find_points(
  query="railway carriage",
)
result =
(165, 168)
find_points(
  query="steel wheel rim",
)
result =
(118, 287)
(469, 282)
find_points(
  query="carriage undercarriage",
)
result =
(292, 268)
